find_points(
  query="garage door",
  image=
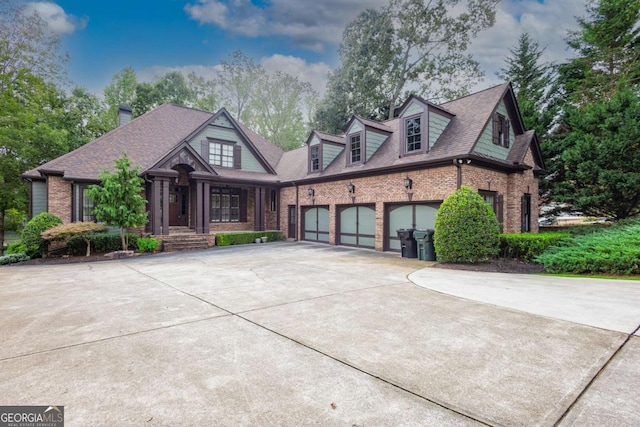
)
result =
(316, 224)
(357, 226)
(407, 216)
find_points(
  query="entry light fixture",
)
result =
(408, 182)
(352, 188)
(463, 161)
(312, 192)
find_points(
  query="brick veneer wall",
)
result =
(59, 197)
(429, 185)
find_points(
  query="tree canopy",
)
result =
(407, 46)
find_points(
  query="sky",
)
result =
(299, 37)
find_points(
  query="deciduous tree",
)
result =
(117, 198)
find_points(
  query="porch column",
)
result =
(156, 213)
(206, 214)
(199, 207)
(165, 207)
(258, 209)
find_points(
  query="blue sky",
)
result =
(296, 36)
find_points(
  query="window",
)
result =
(526, 213)
(272, 200)
(495, 201)
(87, 206)
(501, 130)
(354, 146)
(221, 154)
(315, 158)
(414, 134)
(225, 204)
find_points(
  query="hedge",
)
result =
(100, 243)
(527, 246)
(13, 258)
(244, 237)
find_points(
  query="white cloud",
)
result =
(548, 23)
(310, 25)
(313, 73)
(57, 19)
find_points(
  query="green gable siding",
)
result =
(437, 124)
(250, 163)
(355, 127)
(485, 144)
(374, 141)
(222, 121)
(38, 197)
(329, 153)
(414, 108)
(315, 140)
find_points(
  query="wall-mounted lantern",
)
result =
(312, 192)
(352, 191)
(408, 185)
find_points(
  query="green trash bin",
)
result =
(421, 241)
(430, 249)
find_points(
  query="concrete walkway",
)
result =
(304, 334)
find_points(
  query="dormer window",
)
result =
(501, 130)
(414, 134)
(355, 148)
(315, 158)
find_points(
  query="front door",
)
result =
(178, 205)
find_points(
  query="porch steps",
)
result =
(184, 242)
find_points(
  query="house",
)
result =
(210, 173)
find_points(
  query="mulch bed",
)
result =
(497, 266)
(70, 259)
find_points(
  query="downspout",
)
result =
(458, 164)
(297, 212)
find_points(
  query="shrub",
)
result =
(100, 243)
(35, 245)
(147, 244)
(615, 250)
(244, 237)
(466, 228)
(527, 246)
(16, 248)
(84, 230)
(13, 258)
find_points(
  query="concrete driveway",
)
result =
(305, 334)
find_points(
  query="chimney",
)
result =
(124, 115)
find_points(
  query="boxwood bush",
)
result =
(244, 237)
(466, 229)
(527, 246)
(35, 245)
(13, 258)
(614, 251)
(100, 243)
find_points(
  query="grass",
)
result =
(585, 276)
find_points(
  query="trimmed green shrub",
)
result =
(13, 258)
(466, 229)
(16, 248)
(147, 244)
(100, 243)
(527, 246)
(36, 246)
(244, 237)
(615, 250)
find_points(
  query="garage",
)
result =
(416, 215)
(357, 226)
(316, 224)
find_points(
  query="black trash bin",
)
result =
(407, 243)
(430, 249)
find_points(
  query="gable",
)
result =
(414, 107)
(485, 145)
(184, 154)
(356, 126)
(227, 134)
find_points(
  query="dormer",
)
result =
(323, 149)
(363, 138)
(420, 125)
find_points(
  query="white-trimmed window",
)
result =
(355, 148)
(414, 134)
(221, 154)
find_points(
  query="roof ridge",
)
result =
(474, 93)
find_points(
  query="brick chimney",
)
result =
(124, 115)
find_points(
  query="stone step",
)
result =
(184, 246)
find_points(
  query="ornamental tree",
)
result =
(118, 200)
